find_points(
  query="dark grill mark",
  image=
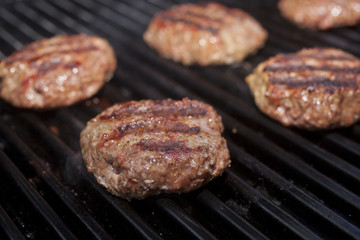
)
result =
(154, 145)
(26, 57)
(183, 112)
(183, 128)
(118, 170)
(314, 81)
(203, 16)
(300, 68)
(142, 128)
(44, 68)
(318, 56)
(166, 146)
(72, 64)
(122, 131)
(189, 22)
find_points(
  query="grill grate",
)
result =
(283, 183)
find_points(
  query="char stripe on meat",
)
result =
(156, 125)
(56, 71)
(203, 16)
(198, 19)
(314, 88)
(204, 34)
(315, 81)
(189, 22)
(299, 68)
(45, 67)
(138, 153)
(318, 56)
(33, 58)
(176, 147)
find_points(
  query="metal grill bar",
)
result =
(37, 201)
(9, 227)
(187, 222)
(346, 145)
(279, 218)
(64, 153)
(71, 203)
(226, 214)
(292, 192)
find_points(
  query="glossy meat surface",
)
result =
(142, 148)
(313, 88)
(57, 71)
(321, 14)
(205, 34)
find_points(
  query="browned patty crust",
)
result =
(321, 14)
(57, 71)
(207, 33)
(142, 148)
(313, 88)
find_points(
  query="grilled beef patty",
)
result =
(139, 149)
(313, 88)
(204, 34)
(55, 72)
(321, 14)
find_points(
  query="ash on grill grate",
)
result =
(283, 183)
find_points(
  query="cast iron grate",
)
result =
(283, 184)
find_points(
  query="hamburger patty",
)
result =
(204, 34)
(321, 14)
(313, 88)
(142, 148)
(57, 71)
